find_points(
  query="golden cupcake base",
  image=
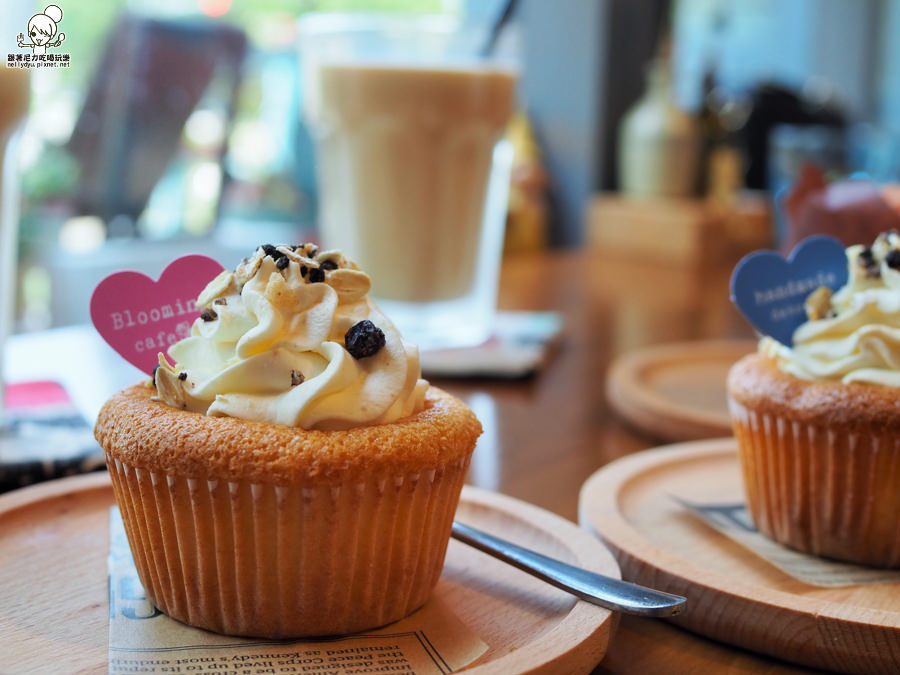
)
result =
(820, 462)
(252, 559)
(256, 529)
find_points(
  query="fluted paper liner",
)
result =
(246, 558)
(820, 491)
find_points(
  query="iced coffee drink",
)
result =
(404, 159)
(413, 174)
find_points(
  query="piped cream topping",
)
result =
(272, 345)
(854, 334)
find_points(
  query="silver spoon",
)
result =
(614, 594)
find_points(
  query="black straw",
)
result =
(499, 23)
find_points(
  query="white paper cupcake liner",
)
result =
(255, 559)
(821, 491)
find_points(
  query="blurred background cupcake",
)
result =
(818, 423)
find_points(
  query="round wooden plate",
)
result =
(733, 595)
(54, 540)
(676, 392)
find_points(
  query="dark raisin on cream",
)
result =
(316, 275)
(280, 259)
(182, 376)
(209, 315)
(363, 339)
(893, 258)
(869, 265)
(297, 378)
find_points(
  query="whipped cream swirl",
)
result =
(857, 338)
(270, 346)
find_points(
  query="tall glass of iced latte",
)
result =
(412, 166)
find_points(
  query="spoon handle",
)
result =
(614, 594)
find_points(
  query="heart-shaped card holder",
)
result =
(770, 291)
(140, 317)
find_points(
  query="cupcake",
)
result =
(290, 474)
(818, 424)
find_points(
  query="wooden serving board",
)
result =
(733, 595)
(54, 541)
(676, 392)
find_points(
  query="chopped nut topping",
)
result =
(223, 284)
(247, 268)
(351, 285)
(295, 253)
(818, 304)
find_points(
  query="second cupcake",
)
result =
(818, 424)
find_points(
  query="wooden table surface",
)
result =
(545, 435)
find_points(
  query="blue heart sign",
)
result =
(770, 291)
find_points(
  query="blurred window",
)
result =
(174, 120)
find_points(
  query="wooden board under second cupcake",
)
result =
(734, 596)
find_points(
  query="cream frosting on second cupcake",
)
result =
(854, 334)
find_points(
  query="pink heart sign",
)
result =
(140, 317)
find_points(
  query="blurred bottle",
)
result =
(13, 98)
(721, 165)
(526, 221)
(14, 95)
(708, 126)
(659, 142)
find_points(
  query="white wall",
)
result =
(888, 76)
(787, 41)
